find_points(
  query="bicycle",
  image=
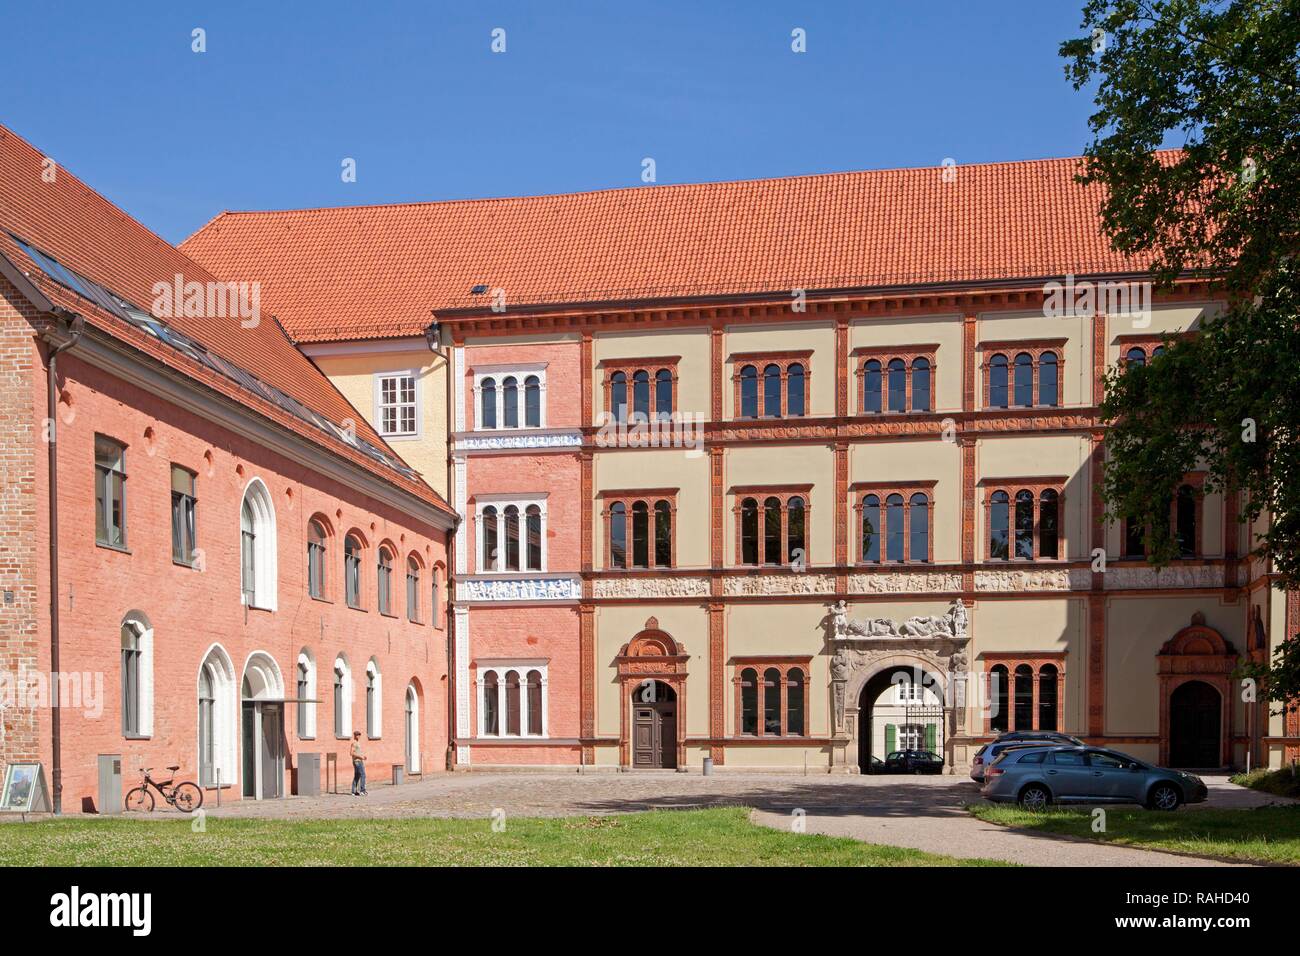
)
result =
(184, 796)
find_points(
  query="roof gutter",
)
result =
(73, 325)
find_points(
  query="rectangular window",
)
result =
(397, 404)
(183, 505)
(110, 492)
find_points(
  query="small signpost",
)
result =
(25, 790)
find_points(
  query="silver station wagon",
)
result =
(1038, 777)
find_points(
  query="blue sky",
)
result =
(583, 93)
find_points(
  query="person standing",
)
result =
(358, 766)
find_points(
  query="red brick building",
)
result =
(243, 570)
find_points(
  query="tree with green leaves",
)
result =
(1220, 81)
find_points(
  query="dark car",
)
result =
(986, 755)
(913, 761)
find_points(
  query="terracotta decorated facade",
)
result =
(788, 510)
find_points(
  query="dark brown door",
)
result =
(654, 735)
(1194, 726)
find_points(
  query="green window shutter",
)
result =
(930, 736)
(891, 738)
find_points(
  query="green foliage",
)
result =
(1219, 80)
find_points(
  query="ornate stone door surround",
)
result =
(651, 655)
(861, 649)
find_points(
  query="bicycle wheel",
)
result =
(140, 799)
(187, 797)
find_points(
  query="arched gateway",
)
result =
(906, 680)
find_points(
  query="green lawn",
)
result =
(1280, 783)
(1263, 835)
(716, 837)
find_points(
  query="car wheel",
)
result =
(1164, 796)
(1035, 797)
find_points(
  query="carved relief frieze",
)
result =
(1023, 580)
(740, 585)
(650, 587)
(904, 582)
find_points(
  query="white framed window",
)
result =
(305, 690)
(257, 547)
(342, 698)
(397, 404)
(217, 709)
(511, 533)
(137, 676)
(509, 396)
(512, 698)
(909, 692)
(374, 700)
(911, 737)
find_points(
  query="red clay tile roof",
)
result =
(85, 232)
(377, 271)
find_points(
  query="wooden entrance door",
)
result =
(654, 729)
(1195, 725)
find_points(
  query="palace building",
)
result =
(209, 555)
(784, 473)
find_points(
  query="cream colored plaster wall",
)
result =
(1076, 382)
(937, 461)
(784, 465)
(354, 376)
(1030, 626)
(944, 331)
(632, 470)
(691, 346)
(1064, 456)
(786, 337)
(1167, 318)
(776, 630)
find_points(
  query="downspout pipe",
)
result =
(76, 325)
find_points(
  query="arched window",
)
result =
(342, 698)
(1134, 539)
(1185, 521)
(488, 403)
(618, 535)
(257, 547)
(897, 385)
(999, 719)
(412, 590)
(1158, 351)
(510, 402)
(920, 384)
(1048, 393)
(1024, 524)
(794, 709)
(533, 526)
(533, 401)
(216, 719)
(919, 527)
(1024, 379)
(491, 712)
(512, 703)
(772, 702)
(749, 701)
(315, 559)
(374, 700)
(385, 581)
(772, 391)
(137, 676)
(998, 381)
(306, 691)
(749, 392)
(439, 596)
(412, 729)
(894, 528)
(663, 393)
(749, 531)
(641, 395)
(533, 686)
(512, 537)
(794, 387)
(1024, 690)
(488, 559)
(796, 549)
(1047, 691)
(871, 386)
(871, 528)
(1049, 524)
(618, 396)
(772, 531)
(999, 524)
(640, 535)
(663, 534)
(1135, 356)
(352, 569)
